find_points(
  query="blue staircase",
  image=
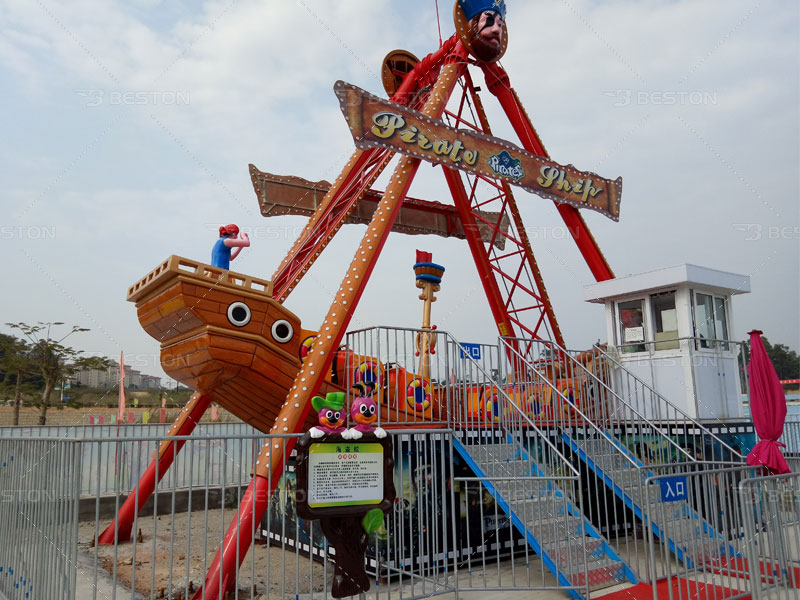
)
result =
(569, 546)
(652, 478)
(661, 504)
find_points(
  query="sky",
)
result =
(128, 128)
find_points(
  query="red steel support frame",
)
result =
(269, 465)
(120, 528)
(498, 82)
(364, 167)
(533, 291)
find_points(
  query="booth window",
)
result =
(665, 321)
(631, 325)
(711, 321)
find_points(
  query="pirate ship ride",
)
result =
(222, 334)
(200, 342)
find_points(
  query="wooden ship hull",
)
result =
(223, 335)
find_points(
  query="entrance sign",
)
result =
(673, 489)
(375, 122)
(345, 474)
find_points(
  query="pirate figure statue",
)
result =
(481, 25)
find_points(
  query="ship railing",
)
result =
(178, 264)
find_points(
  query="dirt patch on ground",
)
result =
(156, 563)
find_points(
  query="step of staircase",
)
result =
(572, 554)
(507, 468)
(541, 512)
(556, 529)
(601, 574)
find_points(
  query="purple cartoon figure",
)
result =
(330, 411)
(364, 413)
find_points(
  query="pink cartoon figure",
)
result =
(364, 412)
(228, 246)
(330, 411)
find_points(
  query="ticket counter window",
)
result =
(711, 322)
(665, 321)
(631, 325)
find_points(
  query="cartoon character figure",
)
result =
(229, 238)
(331, 414)
(364, 412)
(486, 27)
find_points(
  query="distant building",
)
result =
(109, 377)
(151, 382)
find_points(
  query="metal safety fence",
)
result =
(791, 437)
(699, 546)
(38, 518)
(771, 507)
(105, 463)
(445, 532)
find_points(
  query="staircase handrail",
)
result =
(489, 380)
(612, 392)
(572, 405)
(508, 399)
(677, 409)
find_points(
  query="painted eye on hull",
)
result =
(282, 331)
(239, 314)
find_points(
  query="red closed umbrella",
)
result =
(767, 408)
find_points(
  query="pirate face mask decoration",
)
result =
(481, 25)
(487, 35)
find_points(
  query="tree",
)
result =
(52, 360)
(15, 361)
(785, 360)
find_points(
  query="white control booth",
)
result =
(673, 328)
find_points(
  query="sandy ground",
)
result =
(157, 571)
(270, 572)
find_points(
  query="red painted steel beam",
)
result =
(498, 82)
(238, 537)
(332, 214)
(478, 251)
(537, 290)
(120, 528)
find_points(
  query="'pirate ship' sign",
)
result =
(375, 122)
